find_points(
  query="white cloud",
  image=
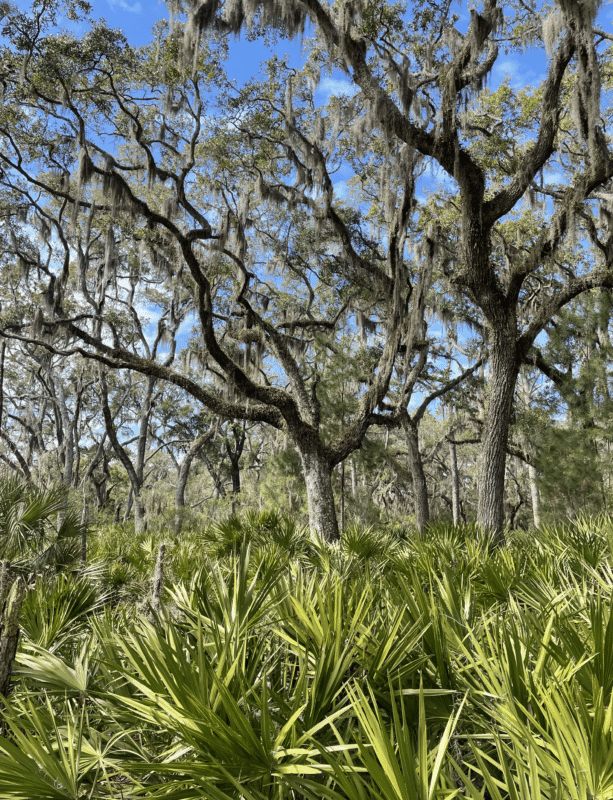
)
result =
(514, 71)
(508, 66)
(133, 8)
(341, 190)
(520, 72)
(185, 329)
(335, 86)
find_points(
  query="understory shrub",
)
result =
(284, 668)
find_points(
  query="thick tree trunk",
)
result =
(9, 630)
(420, 486)
(455, 483)
(180, 494)
(501, 388)
(342, 497)
(129, 501)
(317, 472)
(84, 519)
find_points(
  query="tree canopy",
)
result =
(144, 182)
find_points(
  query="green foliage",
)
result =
(56, 609)
(572, 478)
(286, 668)
(38, 527)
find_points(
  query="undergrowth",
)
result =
(281, 667)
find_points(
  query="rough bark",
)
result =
(158, 580)
(317, 470)
(9, 631)
(234, 454)
(68, 439)
(140, 516)
(84, 520)
(342, 517)
(420, 486)
(504, 369)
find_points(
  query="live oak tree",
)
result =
(421, 80)
(184, 436)
(134, 179)
(142, 191)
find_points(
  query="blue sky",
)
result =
(134, 17)
(137, 17)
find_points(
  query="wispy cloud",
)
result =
(507, 66)
(341, 190)
(520, 73)
(335, 86)
(185, 329)
(133, 8)
(513, 71)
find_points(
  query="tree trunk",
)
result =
(420, 486)
(140, 519)
(9, 629)
(535, 496)
(234, 454)
(180, 495)
(455, 483)
(317, 472)
(218, 487)
(342, 497)
(235, 471)
(129, 501)
(84, 519)
(158, 580)
(68, 443)
(184, 471)
(501, 388)
(135, 473)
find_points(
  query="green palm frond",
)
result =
(58, 607)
